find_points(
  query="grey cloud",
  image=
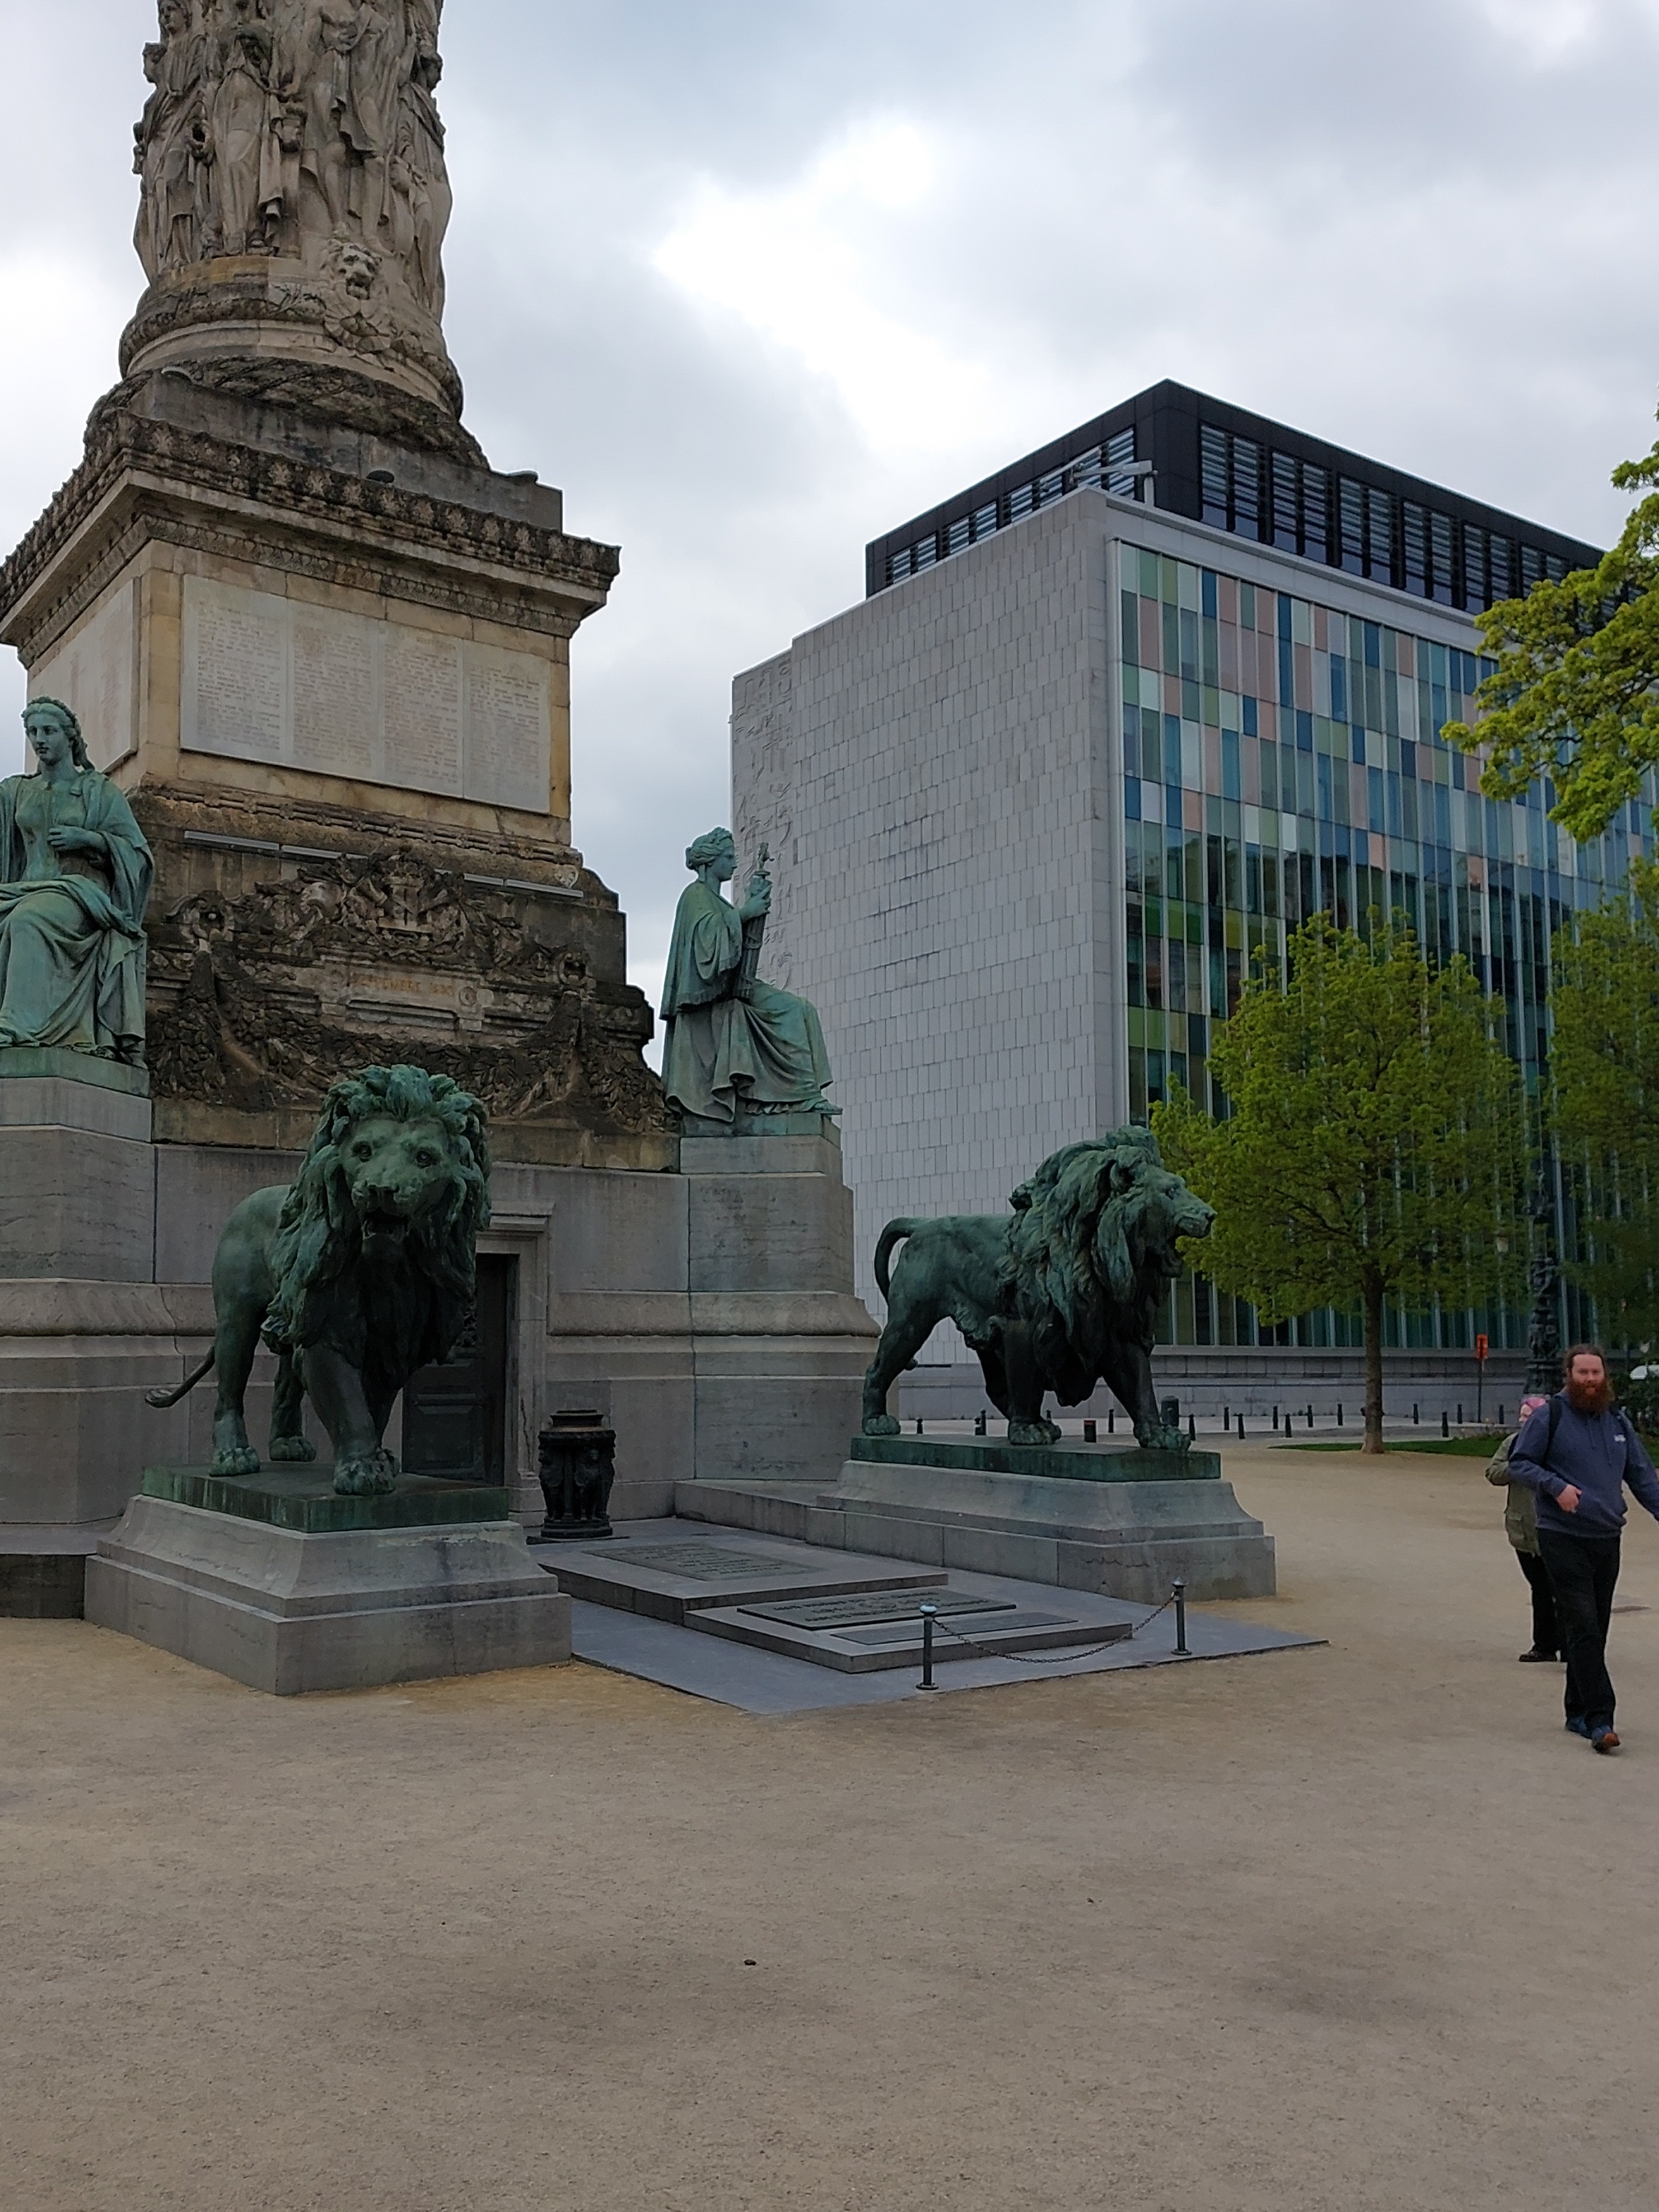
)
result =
(1397, 227)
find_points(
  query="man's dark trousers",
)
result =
(1545, 1636)
(1583, 1572)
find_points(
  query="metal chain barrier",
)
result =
(931, 1618)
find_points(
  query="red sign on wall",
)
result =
(1481, 1349)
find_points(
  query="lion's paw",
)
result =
(366, 1478)
(236, 1459)
(880, 1424)
(1031, 1432)
(288, 1450)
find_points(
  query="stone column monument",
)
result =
(320, 649)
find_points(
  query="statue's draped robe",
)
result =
(71, 924)
(768, 1050)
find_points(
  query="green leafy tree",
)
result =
(1373, 1148)
(1604, 1005)
(1576, 693)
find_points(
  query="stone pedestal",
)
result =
(1082, 1516)
(278, 1583)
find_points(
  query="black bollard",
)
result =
(929, 1614)
(1226, 1419)
(1179, 1593)
(1500, 1417)
(1275, 1420)
(1460, 1417)
(1445, 1425)
(1111, 1420)
(918, 1424)
(1311, 1417)
(1091, 1432)
(979, 1424)
(1192, 1428)
(1414, 1422)
(1241, 1428)
(1338, 1416)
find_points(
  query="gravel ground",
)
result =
(1340, 1928)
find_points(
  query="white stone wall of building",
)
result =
(930, 769)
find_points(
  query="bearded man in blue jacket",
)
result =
(1578, 1454)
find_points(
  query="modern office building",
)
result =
(1104, 725)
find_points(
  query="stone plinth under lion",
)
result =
(1058, 1295)
(360, 1274)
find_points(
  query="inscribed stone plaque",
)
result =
(701, 1562)
(337, 692)
(236, 694)
(423, 710)
(92, 674)
(509, 736)
(318, 688)
(868, 1606)
(946, 1646)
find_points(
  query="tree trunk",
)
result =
(1373, 1307)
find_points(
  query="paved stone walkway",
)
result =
(1338, 1929)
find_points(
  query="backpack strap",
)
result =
(1555, 1423)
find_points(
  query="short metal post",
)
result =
(1415, 1416)
(1091, 1432)
(1226, 1418)
(1338, 1416)
(1111, 1420)
(1460, 1414)
(979, 1424)
(1445, 1425)
(1179, 1594)
(1275, 1420)
(1192, 1428)
(1311, 1417)
(1241, 1428)
(929, 1614)
(918, 1424)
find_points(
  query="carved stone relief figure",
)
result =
(281, 126)
(171, 149)
(239, 126)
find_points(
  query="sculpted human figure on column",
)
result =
(729, 1039)
(171, 149)
(75, 878)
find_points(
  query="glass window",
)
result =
(1284, 533)
(1414, 535)
(1214, 473)
(1315, 522)
(1379, 514)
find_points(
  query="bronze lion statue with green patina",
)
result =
(358, 1274)
(1059, 1295)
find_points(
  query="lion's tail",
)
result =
(164, 1397)
(894, 1233)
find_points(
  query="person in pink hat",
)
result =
(1521, 1527)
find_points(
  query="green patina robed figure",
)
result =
(729, 1039)
(75, 878)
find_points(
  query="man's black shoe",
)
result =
(1549, 1658)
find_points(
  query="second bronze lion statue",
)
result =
(1058, 1296)
(358, 1274)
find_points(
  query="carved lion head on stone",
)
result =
(1094, 1246)
(374, 1254)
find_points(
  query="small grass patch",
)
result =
(1445, 1447)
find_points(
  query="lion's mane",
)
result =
(1069, 1268)
(407, 1311)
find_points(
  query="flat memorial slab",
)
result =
(669, 1571)
(304, 1498)
(885, 1630)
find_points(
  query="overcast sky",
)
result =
(754, 282)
